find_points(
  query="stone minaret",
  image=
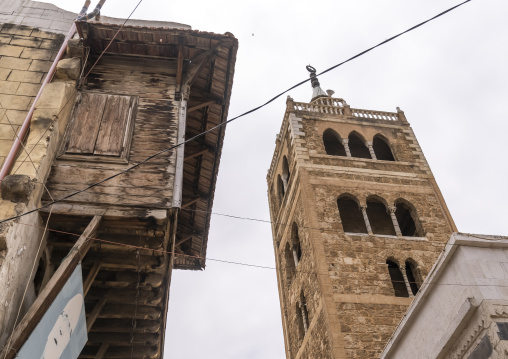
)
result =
(358, 222)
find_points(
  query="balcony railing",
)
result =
(375, 115)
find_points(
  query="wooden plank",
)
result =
(179, 66)
(95, 313)
(91, 277)
(197, 107)
(189, 157)
(51, 290)
(102, 350)
(86, 124)
(111, 135)
(180, 152)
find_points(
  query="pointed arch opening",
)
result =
(409, 223)
(357, 146)
(350, 214)
(290, 263)
(398, 282)
(297, 248)
(303, 316)
(281, 191)
(413, 276)
(285, 173)
(333, 143)
(379, 218)
(382, 149)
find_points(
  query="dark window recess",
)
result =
(333, 144)
(399, 285)
(405, 217)
(305, 312)
(351, 216)
(357, 147)
(101, 125)
(297, 248)
(412, 277)
(290, 263)
(380, 220)
(483, 350)
(503, 330)
(280, 189)
(382, 150)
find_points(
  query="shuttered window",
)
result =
(101, 125)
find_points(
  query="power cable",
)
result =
(228, 121)
(137, 248)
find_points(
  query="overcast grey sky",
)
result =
(450, 77)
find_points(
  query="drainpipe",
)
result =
(9, 161)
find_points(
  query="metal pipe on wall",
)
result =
(9, 161)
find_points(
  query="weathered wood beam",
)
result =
(124, 338)
(51, 290)
(179, 65)
(95, 313)
(188, 204)
(199, 61)
(122, 311)
(201, 105)
(91, 277)
(200, 95)
(102, 350)
(183, 240)
(109, 325)
(115, 352)
(126, 296)
(196, 154)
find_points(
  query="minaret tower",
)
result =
(358, 222)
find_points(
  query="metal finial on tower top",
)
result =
(317, 91)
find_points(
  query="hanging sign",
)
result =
(61, 333)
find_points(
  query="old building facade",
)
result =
(120, 93)
(358, 222)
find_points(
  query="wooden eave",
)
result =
(209, 101)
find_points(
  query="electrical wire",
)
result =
(228, 121)
(137, 248)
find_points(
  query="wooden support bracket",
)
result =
(51, 290)
(91, 277)
(102, 351)
(201, 105)
(95, 313)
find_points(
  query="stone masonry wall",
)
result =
(26, 54)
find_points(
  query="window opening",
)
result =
(382, 149)
(280, 189)
(297, 249)
(412, 277)
(379, 218)
(357, 147)
(406, 218)
(398, 282)
(290, 263)
(285, 173)
(304, 312)
(351, 215)
(333, 143)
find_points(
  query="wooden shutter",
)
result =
(87, 123)
(110, 139)
(100, 125)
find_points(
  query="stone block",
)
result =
(40, 65)
(27, 89)
(26, 76)
(8, 87)
(47, 35)
(68, 69)
(5, 39)
(48, 44)
(7, 131)
(10, 50)
(4, 73)
(55, 95)
(36, 54)
(75, 48)
(14, 102)
(17, 29)
(5, 147)
(34, 20)
(25, 41)
(15, 63)
(17, 188)
(14, 116)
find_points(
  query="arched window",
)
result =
(297, 249)
(290, 263)
(350, 215)
(280, 189)
(382, 149)
(357, 146)
(285, 173)
(398, 282)
(303, 316)
(407, 218)
(413, 276)
(380, 220)
(333, 143)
